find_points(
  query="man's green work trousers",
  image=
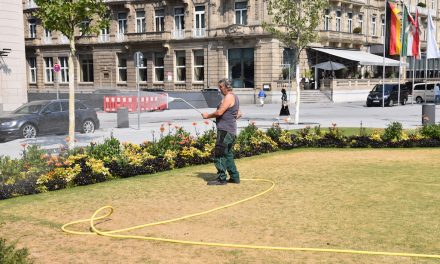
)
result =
(224, 158)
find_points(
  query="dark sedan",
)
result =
(46, 117)
(391, 94)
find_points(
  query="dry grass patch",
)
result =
(379, 200)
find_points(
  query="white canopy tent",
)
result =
(362, 57)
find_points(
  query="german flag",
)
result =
(393, 43)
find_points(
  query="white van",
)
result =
(421, 95)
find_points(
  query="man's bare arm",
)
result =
(227, 102)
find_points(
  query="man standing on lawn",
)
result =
(226, 115)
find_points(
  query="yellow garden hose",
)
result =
(113, 233)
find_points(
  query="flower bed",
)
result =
(37, 171)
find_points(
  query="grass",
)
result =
(378, 200)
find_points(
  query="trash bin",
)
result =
(122, 117)
(428, 114)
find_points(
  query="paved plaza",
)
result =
(323, 114)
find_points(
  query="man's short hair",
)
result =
(226, 82)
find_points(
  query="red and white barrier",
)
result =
(147, 103)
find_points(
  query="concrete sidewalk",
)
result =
(323, 114)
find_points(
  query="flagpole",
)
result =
(384, 48)
(413, 61)
(426, 58)
(400, 54)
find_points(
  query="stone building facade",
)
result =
(190, 45)
(12, 56)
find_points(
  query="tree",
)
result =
(70, 17)
(294, 23)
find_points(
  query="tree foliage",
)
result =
(294, 22)
(67, 15)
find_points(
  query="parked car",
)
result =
(391, 94)
(46, 117)
(420, 95)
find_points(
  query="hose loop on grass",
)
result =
(113, 233)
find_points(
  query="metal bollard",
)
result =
(122, 117)
(428, 114)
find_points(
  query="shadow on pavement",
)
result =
(207, 176)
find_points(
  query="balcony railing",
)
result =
(159, 35)
(423, 11)
(47, 40)
(120, 37)
(63, 39)
(340, 36)
(104, 38)
(31, 4)
(199, 32)
(178, 34)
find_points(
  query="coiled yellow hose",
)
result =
(113, 233)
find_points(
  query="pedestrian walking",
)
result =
(262, 96)
(284, 104)
(437, 93)
(226, 115)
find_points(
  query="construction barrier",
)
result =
(147, 103)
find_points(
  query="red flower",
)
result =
(194, 123)
(24, 145)
(162, 129)
(206, 122)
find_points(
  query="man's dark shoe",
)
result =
(217, 182)
(234, 181)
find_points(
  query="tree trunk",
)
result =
(71, 138)
(298, 93)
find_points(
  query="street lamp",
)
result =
(138, 62)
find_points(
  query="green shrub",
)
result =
(421, 4)
(393, 132)
(111, 148)
(10, 255)
(274, 132)
(431, 131)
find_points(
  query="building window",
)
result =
(327, 20)
(32, 62)
(122, 23)
(84, 27)
(180, 66)
(32, 28)
(382, 34)
(373, 25)
(159, 20)
(47, 33)
(361, 22)
(48, 70)
(104, 35)
(64, 63)
(140, 21)
(350, 22)
(241, 67)
(179, 20)
(143, 73)
(241, 13)
(86, 68)
(199, 30)
(338, 20)
(199, 66)
(159, 72)
(122, 68)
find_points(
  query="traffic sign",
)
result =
(56, 67)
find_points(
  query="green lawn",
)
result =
(376, 200)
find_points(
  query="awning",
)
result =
(364, 58)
